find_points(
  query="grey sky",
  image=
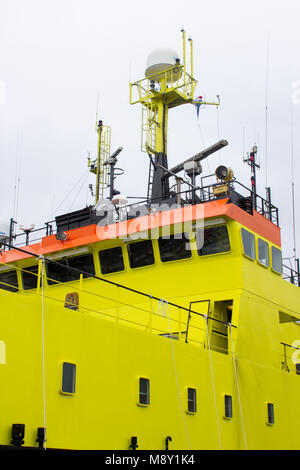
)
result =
(56, 56)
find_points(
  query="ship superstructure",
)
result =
(170, 323)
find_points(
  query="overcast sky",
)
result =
(56, 56)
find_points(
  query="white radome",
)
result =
(161, 60)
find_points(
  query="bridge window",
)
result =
(263, 252)
(68, 378)
(174, 248)
(111, 260)
(59, 271)
(30, 277)
(192, 400)
(9, 281)
(140, 254)
(144, 391)
(276, 260)
(215, 241)
(248, 243)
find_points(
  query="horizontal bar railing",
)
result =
(290, 361)
(120, 303)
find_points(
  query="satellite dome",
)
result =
(160, 60)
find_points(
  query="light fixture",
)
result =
(61, 236)
(223, 173)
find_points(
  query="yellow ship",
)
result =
(166, 324)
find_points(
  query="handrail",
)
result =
(149, 296)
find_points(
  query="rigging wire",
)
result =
(218, 131)
(79, 191)
(213, 382)
(293, 186)
(203, 143)
(237, 386)
(43, 344)
(165, 305)
(267, 106)
(17, 176)
(77, 182)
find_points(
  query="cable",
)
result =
(237, 386)
(43, 342)
(293, 186)
(79, 191)
(82, 176)
(165, 306)
(213, 383)
(266, 98)
(17, 176)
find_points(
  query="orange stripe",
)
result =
(92, 233)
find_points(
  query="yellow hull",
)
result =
(115, 337)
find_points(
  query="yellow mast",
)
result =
(97, 166)
(158, 93)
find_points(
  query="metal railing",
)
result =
(24, 239)
(176, 78)
(123, 304)
(290, 358)
(291, 275)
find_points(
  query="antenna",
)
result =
(111, 162)
(293, 189)
(97, 166)
(266, 98)
(251, 160)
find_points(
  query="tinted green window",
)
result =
(29, 277)
(173, 248)
(248, 243)
(276, 260)
(144, 391)
(111, 260)
(58, 270)
(140, 254)
(10, 278)
(215, 240)
(263, 252)
(192, 400)
(69, 377)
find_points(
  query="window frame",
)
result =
(226, 416)
(220, 252)
(147, 394)
(12, 289)
(54, 282)
(64, 392)
(268, 251)
(145, 265)
(270, 406)
(243, 246)
(178, 259)
(24, 271)
(192, 400)
(274, 270)
(123, 258)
